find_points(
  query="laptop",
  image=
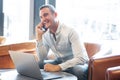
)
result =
(27, 65)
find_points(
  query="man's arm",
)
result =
(41, 49)
(79, 52)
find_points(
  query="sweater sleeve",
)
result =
(42, 50)
(79, 52)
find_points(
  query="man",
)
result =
(64, 41)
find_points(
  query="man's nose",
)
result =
(43, 19)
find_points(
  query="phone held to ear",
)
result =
(44, 29)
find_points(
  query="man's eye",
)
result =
(45, 14)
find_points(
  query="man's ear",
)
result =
(55, 14)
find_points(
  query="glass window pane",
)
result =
(16, 20)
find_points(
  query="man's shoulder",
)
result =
(67, 26)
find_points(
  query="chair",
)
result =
(99, 66)
(5, 60)
(113, 73)
(100, 62)
(2, 40)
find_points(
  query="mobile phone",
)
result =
(44, 29)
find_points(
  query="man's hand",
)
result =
(39, 31)
(51, 67)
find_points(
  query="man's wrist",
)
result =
(58, 68)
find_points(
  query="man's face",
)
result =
(47, 17)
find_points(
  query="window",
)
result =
(16, 20)
(95, 19)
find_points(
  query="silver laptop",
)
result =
(27, 65)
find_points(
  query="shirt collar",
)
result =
(58, 29)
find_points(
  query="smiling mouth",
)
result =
(45, 22)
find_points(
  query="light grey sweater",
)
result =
(67, 46)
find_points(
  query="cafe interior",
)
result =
(97, 21)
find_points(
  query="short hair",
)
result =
(51, 7)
